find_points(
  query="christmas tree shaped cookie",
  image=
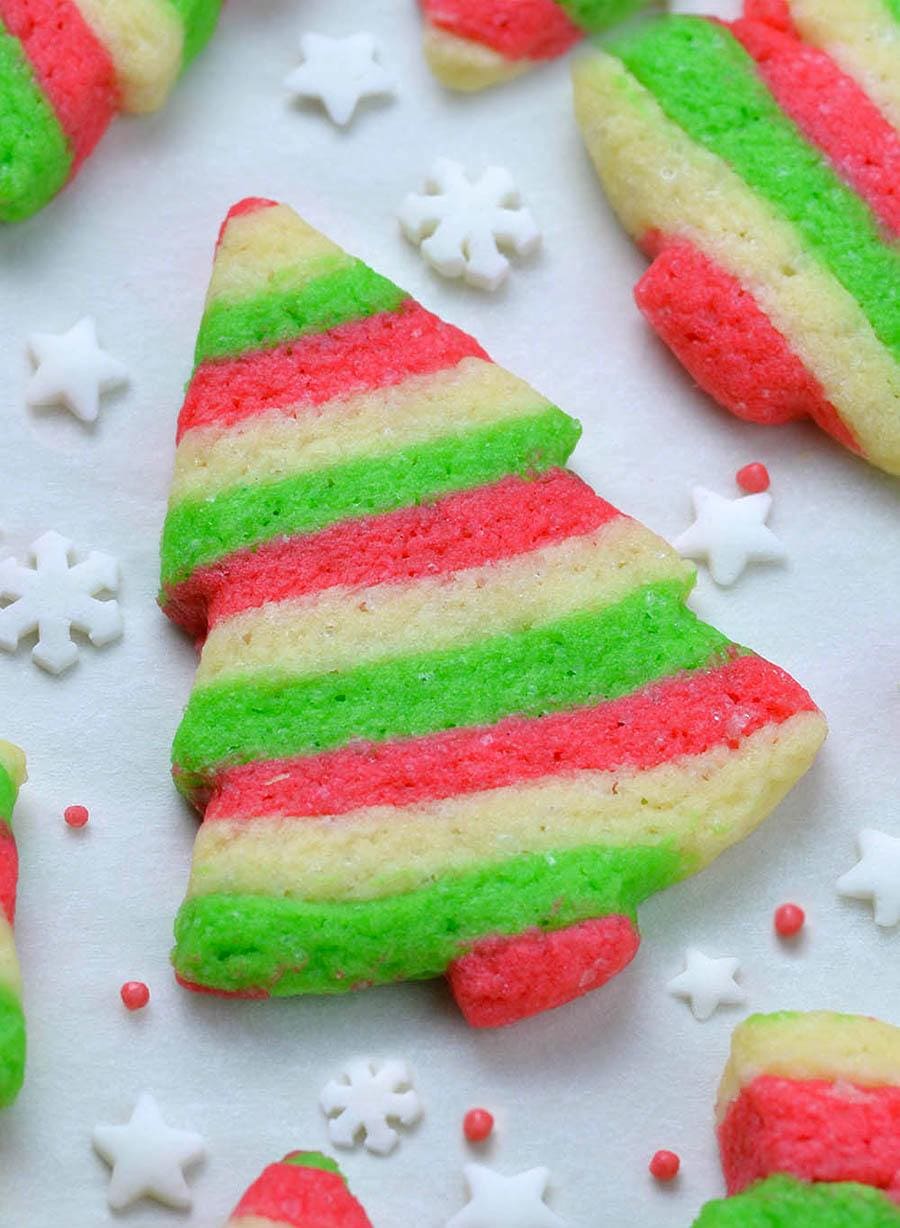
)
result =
(471, 44)
(67, 67)
(771, 219)
(12, 1019)
(809, 1124)
(305, 1190)
(452, 713)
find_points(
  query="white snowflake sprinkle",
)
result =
(364, 1100)
(55, 596)
(465, 225)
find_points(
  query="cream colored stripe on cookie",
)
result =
(702, 803)
(813, 1045)
(302, 438)
(12, 760)
(270, 250)
(341, 629)
(863, 38)
(658, 179)
(145, 40)
(10, 977)
(464, 64)
(256, 1221)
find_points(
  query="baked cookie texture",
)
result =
(785, 1202)
(770, 219)
(12, 1018)
(452, 714)
(815, 1096)
(67, 67)
(472, 44)
(809, 1124)
(304, 1190)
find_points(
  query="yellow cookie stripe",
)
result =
(341, 629)
(12, 760)
(256, 1221)
(814, 1045)
(463, 64)
(657, 178)
(863, 38)
(301, 438)
(381, 851)
(145, 40)
(9, 964)
(270, 250)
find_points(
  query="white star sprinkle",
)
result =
(340, 73)
(876, 876)
(707, 984)
(72, 370)
(148, 1158)
(505, 1202)
(730, 533)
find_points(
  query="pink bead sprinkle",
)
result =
(478, 1124)
(789, 920)
(76, 816)
(753, 478)
(135, 995)
(665, 1165)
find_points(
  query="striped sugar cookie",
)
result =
(12, 1019)
(67, 67)
(305, 1190)
(452, 714)
(471, 44)
(816, 1096)
(771, 220)
(785, 1202)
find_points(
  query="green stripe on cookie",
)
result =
(198, 531)
(35, 158)
(313, 1159)
(581, 659)
(12, 1045)
(597, 15)
(199, 18)
(351, 292)
(707, 84)
(893, 7)
(8, 794)
(289, 946)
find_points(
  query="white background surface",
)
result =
(591, 1090)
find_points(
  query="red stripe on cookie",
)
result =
(729, 345)
(516, 29)
(379, 351)
(9, 873)
(850, 130)
(814, 1130)
(302, 1198)
(684, 715)
(71, 65)
(503, 980)
(466, 529)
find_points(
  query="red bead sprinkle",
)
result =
(478, 1125)
(76, 816)
(753, 478)
(665, 1165)
(135, 995)
(789, 920)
